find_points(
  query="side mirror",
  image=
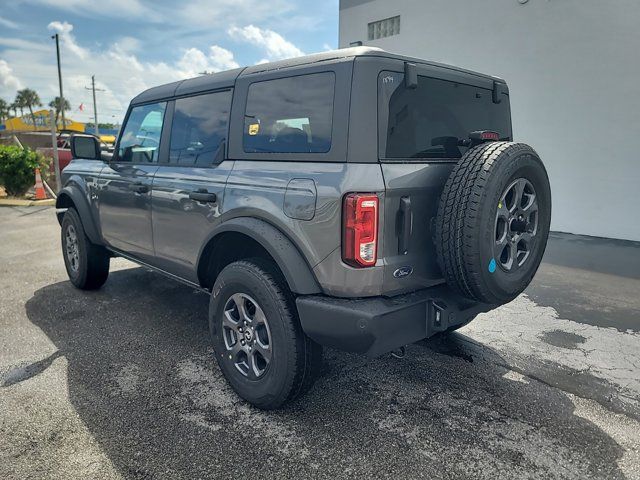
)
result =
(86, 147)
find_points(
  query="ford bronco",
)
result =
(353, 199)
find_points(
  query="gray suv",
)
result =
(354, 199)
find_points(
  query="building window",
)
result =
(384, 28)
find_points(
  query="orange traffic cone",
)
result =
(40, 193)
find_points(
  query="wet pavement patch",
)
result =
(21, 373)
(562, 339)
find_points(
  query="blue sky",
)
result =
(131, 45)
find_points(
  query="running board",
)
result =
(184, 281)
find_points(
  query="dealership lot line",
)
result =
(120, 383)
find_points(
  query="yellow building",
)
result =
(26, 123)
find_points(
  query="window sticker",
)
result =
(254, 128)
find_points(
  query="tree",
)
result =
(30, 98)
(4, 110)
(58, 107)
(14, 107)
(18, 104)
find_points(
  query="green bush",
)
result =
(17, 169)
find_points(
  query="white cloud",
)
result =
(274, 44)
(114, 8)
(128, 44)
(24, 44)
(64, 30)
(209, 13)
(8, 23)
(120, 72)
(9, 83)
(195, 61)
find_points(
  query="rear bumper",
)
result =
(377, 325)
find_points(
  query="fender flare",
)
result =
(77, 197)
(294, 267)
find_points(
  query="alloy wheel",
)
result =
(247, 337)
(72, 249)
(516, 225)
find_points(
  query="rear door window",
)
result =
(290, 115)
(199, 129)
(430, 121)
(140, 142)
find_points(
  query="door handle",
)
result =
(405, 225)
(139, 187)
(202, 195)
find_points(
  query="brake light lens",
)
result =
(360, 229)
(486, 135)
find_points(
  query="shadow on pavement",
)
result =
(142, 378)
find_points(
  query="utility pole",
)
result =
(95, 109)
(60, 79)
(54, 144)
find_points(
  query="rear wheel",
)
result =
(258, 341)
(87, 264)
(493, 221)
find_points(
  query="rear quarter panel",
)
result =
(257, 189)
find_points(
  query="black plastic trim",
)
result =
(294, 267)
(374, 326)
(82, 207)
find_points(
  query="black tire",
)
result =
(295, 359)
(90, 268)
(470, 217)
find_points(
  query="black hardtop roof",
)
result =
(227, 78)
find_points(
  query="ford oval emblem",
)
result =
(403, 272)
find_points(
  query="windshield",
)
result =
(432, 120)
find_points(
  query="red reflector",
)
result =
(360, 229)
(490, 136)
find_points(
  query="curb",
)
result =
(16, 202)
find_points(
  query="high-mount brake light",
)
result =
(490, 136)
(481, 136)
(360, 229)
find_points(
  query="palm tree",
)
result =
(30, 99)
(4, 110)
(14, 107)
(19, 104)
(59, 106)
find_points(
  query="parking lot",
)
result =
(120, 383)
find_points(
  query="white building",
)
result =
(573, 69)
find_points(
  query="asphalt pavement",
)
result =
(121, 383)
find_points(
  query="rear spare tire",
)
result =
(493, 221)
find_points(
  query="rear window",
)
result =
(429, 121)
(290, 115)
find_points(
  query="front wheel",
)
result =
(258, 341)
(87, 264)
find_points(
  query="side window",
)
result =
(140, 140)
(199, 129)
(290, 115)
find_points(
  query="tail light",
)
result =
(360, 229)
